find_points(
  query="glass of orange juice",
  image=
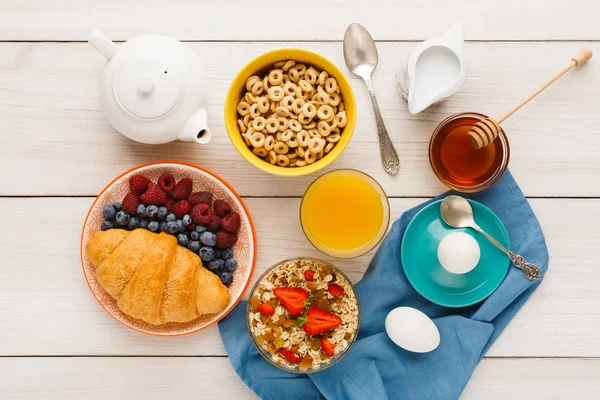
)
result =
(345, 213)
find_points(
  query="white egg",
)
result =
(458, 253)
(412, 330)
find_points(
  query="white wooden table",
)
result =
(57, 152)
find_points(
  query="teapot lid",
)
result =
(147, 87)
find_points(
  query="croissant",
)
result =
(153, 278)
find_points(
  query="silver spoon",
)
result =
(457, 212)
(360, 54)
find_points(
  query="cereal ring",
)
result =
(272, 125)
(322, 98)
(323, 128)
(329, 147)
(247, 139)
(309, 110)
(288, 64)
(341, 119)
(260, 151)
(303, 138)
(297, 105)
(311, 76)
(288, 102)
(323, 78)
(301, 68)
(257, 139)
(294, 75)
(254, 111)
(276, 93)
(241, 125)
(304, 119)
(320, 155)
(247, 120)
(278, 137)
(263, 104)
(280, 148)
(276, 77)
(265, 82)
(301, 151)
(251, 81)
(282, 160)
(330, 85)
(316, 145)
(304, 85)
(290, 89)
(334, 99)
(282, 111)
(273, 106)
(310, 125)
(282, 123)
(314, 133)
(310, 157)
(243, 108)
(292, 156)
(293, 116)
(272, 157)
(258, 88)
(333, 138)
(287, 135)
(269, 142)
(300, 163)
(259, 123)
(279, 64)
(250, 98)
(292, 143)
(325, 113)
(341, 107)
(295, 125)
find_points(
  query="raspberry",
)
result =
(182, 189)
(154, 195)
(181, 208)
(138, 184)
(231, 222)
(201, 197)
(166, 182)
(225, 239)
(214, 224)
(190, 227)
(222, 208)
(169, 203)
(201, 214)
(130, 203)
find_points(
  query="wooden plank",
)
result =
(290, 20)
(52, 120)
(214, 378)
(46, 307)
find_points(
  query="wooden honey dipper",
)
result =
(484, 132)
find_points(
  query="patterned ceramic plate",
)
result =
(244, 249)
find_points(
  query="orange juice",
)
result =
(344, 213)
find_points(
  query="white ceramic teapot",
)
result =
(152, 89)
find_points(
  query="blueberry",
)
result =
(194, 246)
(134, 223)
(144, 223)
(207, 253)
(187, 220)
(194, 235)
(226, 278)
(171, 217)
(162, 226)
(122, 218)
(117, 206)
(109, 211)
(162, 212)
(180, 225)
(215, 264)
(151, 211)
(227, 254)
(218, 253)
(200, 228)
(153, 226)
(171, 227)
(230, 264)
(182, 239)
(141, 210)
(106, 225)
(208, 239)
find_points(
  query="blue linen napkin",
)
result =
(375, 368)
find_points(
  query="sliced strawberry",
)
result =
(266, 309)
(290, 356)
(292, 298)
(328, 347)
(309, 275)
(335, 290)
(319, 321)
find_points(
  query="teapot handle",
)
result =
(196, 128)
(103, 44)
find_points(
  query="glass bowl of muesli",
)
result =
(303, 315)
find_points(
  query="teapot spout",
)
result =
(103, 44)
(196, 128)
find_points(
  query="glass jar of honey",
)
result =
(457, 164)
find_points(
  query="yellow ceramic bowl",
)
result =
(259, 66)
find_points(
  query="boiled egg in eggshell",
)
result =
(458, 253)
(412, 330)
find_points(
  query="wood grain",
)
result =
(52, 121)
(213, 378)
(47, 309)
(290, 20)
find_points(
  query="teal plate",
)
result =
(431, 280)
